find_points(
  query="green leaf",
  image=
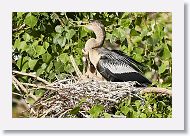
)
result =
(138, 104)
(119, 33)
(162, 68)
(139, 51)
(25, 63)
(32, 63)
(59, 67)
(40, 71)
(125, 110)
(96, 110)
(39, 92)
(19, 14)
(70, 33)
(40, 50)
(107, 115)
(166, 53)
(26, 37)
(19, 63)
(142, 115)
(46, 58)
(22, 46)
(35, 43)
(61, 41)
(49, 67)
(138, 21)
(64, 57)
(133, 32)
(22, 63)
(31, 51)
(59, 29)
(43, 66)
(45, 45)
(138, 57)
(51, 75)
(125, 22)
(30, 20)
(83, 33)
(75, 110)
(69, 68)
(17, 44)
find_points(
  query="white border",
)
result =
(174, 6)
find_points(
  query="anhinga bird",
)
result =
(113, 65)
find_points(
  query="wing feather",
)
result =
(117, 68)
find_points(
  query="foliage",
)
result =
(46, 40)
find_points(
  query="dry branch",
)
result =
(79, 74)
(157, 90)
(19, 84)
(19, 28)
(31, 75)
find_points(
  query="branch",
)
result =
(39, 86)
(19, 84)
(19, 28)
(57, 17)
(157, 90)
(78, 72)
(31, 75)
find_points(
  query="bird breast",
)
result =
(94, 57)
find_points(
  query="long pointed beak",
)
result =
(83, 23)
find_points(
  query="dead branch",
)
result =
(78, 72)
(19, 84)
(57, 17)
(157, 90)
(19, 28)
(39, 86)
(31, 75)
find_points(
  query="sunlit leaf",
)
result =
(70, 33)
(46, 57)
(133, 32)
(96, 110)
(59, 29)
(40, 50)
(32, 63)
(31, 20)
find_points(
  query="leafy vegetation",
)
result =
(42, 43)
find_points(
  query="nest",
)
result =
(71, 94)
(74, 97)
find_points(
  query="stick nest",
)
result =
(75, 96)
(71, 94)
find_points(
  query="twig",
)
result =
(16, 86)
(20, 85)
(39, 86)
(156, 90)
(78, 72)
(57, 17)
(31, 75)
(17, 94)
(86, 116)
(19, 28)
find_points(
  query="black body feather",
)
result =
(117, 67)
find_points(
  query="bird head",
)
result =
(94, 25)
(98, 28)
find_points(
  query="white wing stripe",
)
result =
(122, 68)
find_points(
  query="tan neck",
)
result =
(100, 36)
